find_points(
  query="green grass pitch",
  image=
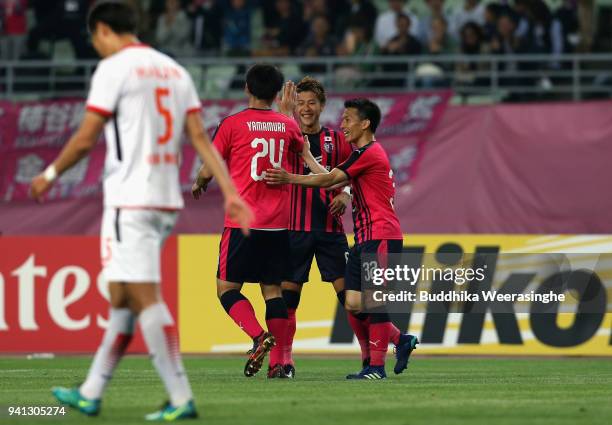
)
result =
(469, 391)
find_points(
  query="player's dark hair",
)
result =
(118, 15)
(312, 85)
(264, 81)
(367, 110)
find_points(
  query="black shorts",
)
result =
(330, 249)
(352, 278)
(259, 258)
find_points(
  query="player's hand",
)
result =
(286, 105)
(339, 204)
(199, 187)
(277, 176)
(238, 211)
(39, 186)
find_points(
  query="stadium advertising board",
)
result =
(53, 299)
(53, 296)
(322, 326)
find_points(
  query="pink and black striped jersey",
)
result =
(310, 206)
(373, 185)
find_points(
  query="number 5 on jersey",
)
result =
(165, 113)
(269, 149)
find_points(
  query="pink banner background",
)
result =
(33, 134)
(538, 168)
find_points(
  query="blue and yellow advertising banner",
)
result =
(322, 326)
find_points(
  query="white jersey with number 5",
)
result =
(146, 97)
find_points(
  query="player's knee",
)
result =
(291, 286)
(352, 302)
(223, 287)
(352, 307)
(270, 291)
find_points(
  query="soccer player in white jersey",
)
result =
(143, 100)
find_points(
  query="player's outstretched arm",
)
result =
(278, 176)
(310, 160)
(235, 207)
(79, 145)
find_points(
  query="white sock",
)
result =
(161, 338)
(114, 343)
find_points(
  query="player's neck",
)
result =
(258, 103)
(364, 140)
(123, 41)
(311, 129)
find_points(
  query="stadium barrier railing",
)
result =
(490, 78)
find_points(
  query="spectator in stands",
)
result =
(404, 44)
(356, 10)
(489, 29)
(565, 29)
(472, 44)
(62, 20)
(386, 23)
(13, 28)
(472, 39)
(313, 8)
(288, 33)
(506, 42)
(357, 42)
(207, 20)
(320, 42)
(471, 11)
(156, 9)
(237, 27)
(336, 11)
(173, 30)
(144, 31)
(440, 42)
(541, 22)
(436, 10)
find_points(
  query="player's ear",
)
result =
(103, 29)
(365, 124)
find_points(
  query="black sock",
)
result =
(341, 296)
(292, 298)
(229, 298)
(276, 309)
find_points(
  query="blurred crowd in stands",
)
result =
(334, 28)
(313, 28)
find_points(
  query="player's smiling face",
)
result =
(352, 125)
(309, 108)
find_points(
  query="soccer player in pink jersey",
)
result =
(143, 101)
(315, 225)
(377, 228)
(252, 141)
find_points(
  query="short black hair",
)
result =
(264, 81)
(367, 110)
(312, 85)
(118, 15)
